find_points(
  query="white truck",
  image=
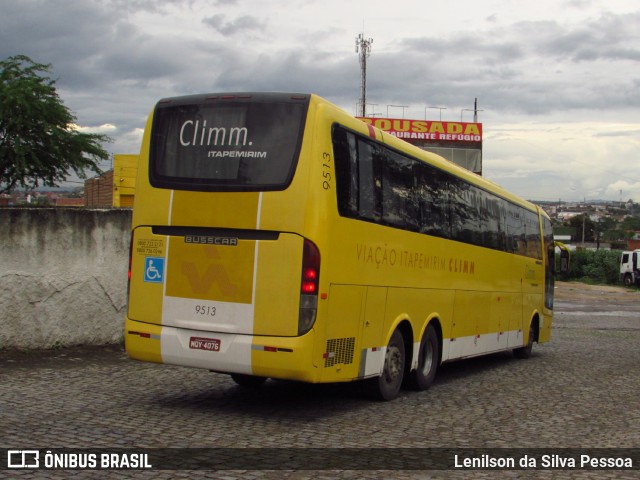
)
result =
(630, 267)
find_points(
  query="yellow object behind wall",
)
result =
(125, 169)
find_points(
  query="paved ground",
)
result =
(578, 391)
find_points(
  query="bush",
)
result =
(594, 266)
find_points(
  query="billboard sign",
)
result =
(428, 130)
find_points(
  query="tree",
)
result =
(580, 221)
(630, 225)
(39, 144)
(608, 227)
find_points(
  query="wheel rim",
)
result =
(392, 364)
(427, 359)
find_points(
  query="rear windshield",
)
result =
(227, 142)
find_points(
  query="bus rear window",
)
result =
(246, 143)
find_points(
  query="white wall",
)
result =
(63, 276)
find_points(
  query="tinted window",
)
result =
(432, 192)
(381, 185)
(244, 144)
(532, 233)
(399, 199)
(464, 216)
(358, 169)
(550, 262)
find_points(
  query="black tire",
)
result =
(627, 280)
(525, 352)
(428, 359)
(387, 386)
(248, 381)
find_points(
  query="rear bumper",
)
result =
(288, 358)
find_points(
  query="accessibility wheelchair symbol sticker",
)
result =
(154, 269)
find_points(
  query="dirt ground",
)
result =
(573, 291)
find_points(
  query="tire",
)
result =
(248, 381)
(525, 352)
(627, 280)
(387, 386)
(428, 359)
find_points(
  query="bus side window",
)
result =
(516, 241)
(491, 217)
(345, 152)
(369, 182)
(462, 212)
(399, 192)
(433, 201)
(359, 176)
(353, 177)
(532, 229)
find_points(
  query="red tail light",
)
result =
(309, 287)
(310, 269)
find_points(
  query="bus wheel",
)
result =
(387, 386)
(428, 359)
(249, 381)
(525, 352)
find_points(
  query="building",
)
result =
(459, 142)
(116, 187)
(69, 202)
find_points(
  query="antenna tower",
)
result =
(363, 47)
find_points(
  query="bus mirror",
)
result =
(564, 257)
(564, 261)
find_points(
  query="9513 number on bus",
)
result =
(205, 310)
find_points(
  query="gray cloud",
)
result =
(609, 37)
(519, 68)
(242, 24)
(115, 58)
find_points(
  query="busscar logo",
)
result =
(204, 240)
(23, 459)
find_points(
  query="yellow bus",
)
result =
(276, 236)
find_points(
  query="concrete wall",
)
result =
(63, 276)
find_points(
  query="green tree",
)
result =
(578, 222)
(630, 225)
(608, 229)
(38, 142)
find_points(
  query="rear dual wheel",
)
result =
(428, 360)
(387, 386)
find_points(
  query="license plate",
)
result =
(201, 343)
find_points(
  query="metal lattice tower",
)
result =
(363, 47)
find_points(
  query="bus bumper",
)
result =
(288, 358)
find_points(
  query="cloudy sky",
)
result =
(558, 81)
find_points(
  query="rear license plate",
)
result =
(201, 343)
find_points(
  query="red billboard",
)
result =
(428, 130)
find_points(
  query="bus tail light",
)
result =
(309, 287)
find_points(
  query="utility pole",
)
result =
(363, 47)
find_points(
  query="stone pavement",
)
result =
(578, 391)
